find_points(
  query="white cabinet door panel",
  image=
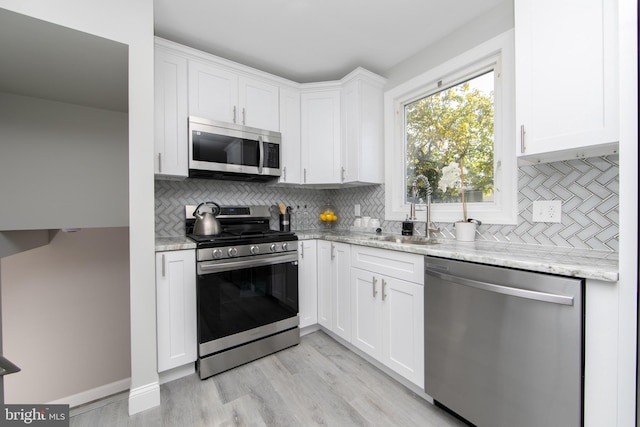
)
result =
(403, 328)
(366, 312)
(176, 308)
(213, 93)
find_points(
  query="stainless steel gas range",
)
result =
(247, 289)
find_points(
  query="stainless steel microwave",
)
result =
(229, 151)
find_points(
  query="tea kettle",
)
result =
(206, 223)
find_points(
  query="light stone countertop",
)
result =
(588, 264)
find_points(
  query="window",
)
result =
(456, 118)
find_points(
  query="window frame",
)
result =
(497, 53)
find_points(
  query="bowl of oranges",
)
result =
(328, 217)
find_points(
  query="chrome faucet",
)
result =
(429, 226)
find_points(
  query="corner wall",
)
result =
(65, 309)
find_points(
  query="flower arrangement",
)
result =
(453, 177)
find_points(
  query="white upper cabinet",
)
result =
(566, 78)
(320, 138)
(362, 128)
(290, 130)
(170, 114)
(259, 104)
(213, 92)
(217, 93)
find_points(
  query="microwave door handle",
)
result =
(261, 149)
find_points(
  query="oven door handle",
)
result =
(218, 266)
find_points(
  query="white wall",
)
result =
(494, 22)
(62, 165)
(66, 315)
(130, 23)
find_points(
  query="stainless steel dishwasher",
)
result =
(503, 347)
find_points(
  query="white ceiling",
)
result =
(44, 60)
(302, 40)
(314, 40)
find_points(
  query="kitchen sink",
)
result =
(410, 240)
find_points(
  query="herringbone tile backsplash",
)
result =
(588, 189)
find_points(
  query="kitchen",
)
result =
(141, 191)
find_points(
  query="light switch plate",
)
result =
(547, 211)
(356, 210)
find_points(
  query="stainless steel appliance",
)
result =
(247, 289)
(504, 347)
(230, 151)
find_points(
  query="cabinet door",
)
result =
(325, 300)
(307, 282)
(170, 114)
(213, 93)
(259, 104)
(362, 132)
(320, 137)
(366, 319)
(566, 78)
(341, 279)
(403, 328)
(290, 130)
(176, 308)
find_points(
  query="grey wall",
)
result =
(61, 165)
(65, 312)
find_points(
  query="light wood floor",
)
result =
(318, 382)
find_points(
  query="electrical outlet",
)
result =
(356, 209)
(547, 211)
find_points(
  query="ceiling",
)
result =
(49, 61)
(301, 40)
(314, 40)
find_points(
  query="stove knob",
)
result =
(254, 250)
(232, 252)
(217, 253)
(273, 247)
(285, 246)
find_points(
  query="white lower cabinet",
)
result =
(307, 282)
(334, 295)
(388, 312)
(176, 308)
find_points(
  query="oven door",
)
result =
(243, 300)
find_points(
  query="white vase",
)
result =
(465, 231)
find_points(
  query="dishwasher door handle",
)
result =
(505, 290)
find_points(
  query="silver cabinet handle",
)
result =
(163, 264)
(505, 290)
(301, 250)
(332, 248)
(234, 114)
(305, 175)
(284, 174)
(522, 133)
(160, 162)
(342, 171)
(244, 116)
(384, 292)
(374, 287)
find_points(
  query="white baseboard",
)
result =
(143, 398)
(94, 393)
(177, 373)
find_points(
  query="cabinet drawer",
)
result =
(400, 265)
